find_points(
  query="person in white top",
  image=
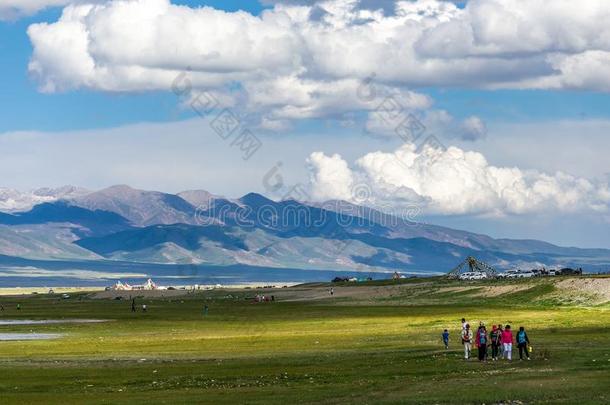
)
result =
(467, 341)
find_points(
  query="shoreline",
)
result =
(21, 291)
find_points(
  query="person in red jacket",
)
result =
(507, 342)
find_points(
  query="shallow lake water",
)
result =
(28, 336)
(37, 336)
(12, 322)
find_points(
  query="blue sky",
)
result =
(514, 101)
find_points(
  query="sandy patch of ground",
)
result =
(598, 288)
(15, 291)
(456, 289)
(487, 291)
(363, 293)
(295, 293)
(497, 290)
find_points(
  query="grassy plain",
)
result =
(374, 343)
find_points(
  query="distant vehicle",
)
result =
(568, 271)
(513, 273)
(65, 296)
(526, 274)
(473, 275)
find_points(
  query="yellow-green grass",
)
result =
(301, 352)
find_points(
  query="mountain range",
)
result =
(149, 229)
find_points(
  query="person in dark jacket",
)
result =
(495, 338)
(481, 342)
(522, 342)
(501, 352)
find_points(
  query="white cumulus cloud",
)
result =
(453, 181)
(308, 60)
(330, 176)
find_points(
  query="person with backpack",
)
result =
(467, 341)
(481, 342)
(507, 343)
(522, 342)
(445, 336)
(495, 337)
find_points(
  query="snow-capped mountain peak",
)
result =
(12, 200)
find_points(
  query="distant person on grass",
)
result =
(495, 337)
(464, 323)
(446, 338)
(467, 341)
(481, 342)
(507, 343)
(522, 342)
(133, 305)
(500, 331)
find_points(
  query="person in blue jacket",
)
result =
(446, 338)
(522, 342)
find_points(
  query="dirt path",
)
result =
(599, 288)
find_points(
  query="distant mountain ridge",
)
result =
(196, 227)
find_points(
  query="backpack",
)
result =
(521, 337)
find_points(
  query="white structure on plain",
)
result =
(149, 285)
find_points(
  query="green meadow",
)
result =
(363, 345)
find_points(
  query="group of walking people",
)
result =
(500, 339)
